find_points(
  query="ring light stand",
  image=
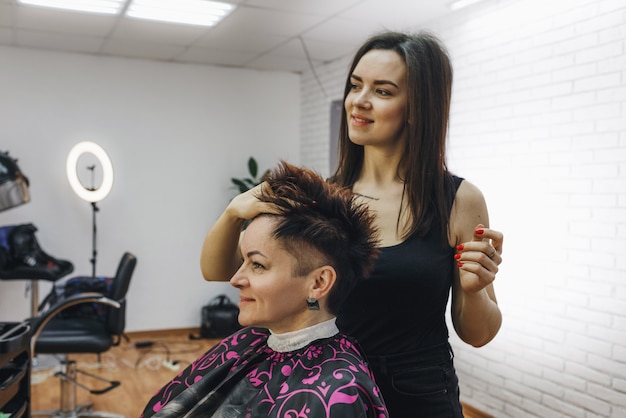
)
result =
(92, 194)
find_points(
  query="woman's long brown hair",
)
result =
(429, 188)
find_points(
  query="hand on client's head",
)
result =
(247, 205)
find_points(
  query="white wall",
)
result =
(176, 134)
(539, 124)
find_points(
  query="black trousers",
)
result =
(419, 384)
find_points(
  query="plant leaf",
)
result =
(240, 184)
(250, 182)
(253, 167)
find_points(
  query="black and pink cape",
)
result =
(243, 377)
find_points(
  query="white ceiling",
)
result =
(259, 34)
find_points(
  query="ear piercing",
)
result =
(312, 304)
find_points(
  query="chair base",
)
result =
(69, 409)
(82, 410)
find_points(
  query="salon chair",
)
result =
(58, 334)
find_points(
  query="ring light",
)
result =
(107, 171)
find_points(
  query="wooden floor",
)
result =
(140, 371)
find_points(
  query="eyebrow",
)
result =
(255, 252)
(376, 82)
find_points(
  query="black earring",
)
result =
(312, 304)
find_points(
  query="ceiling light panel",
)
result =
(192, 12)
(110, 7)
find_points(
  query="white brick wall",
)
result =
(539, 124)
(317, 93)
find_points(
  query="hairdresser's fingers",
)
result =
(478, 260)
(247, 204)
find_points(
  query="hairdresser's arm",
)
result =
(475, 313)
(220, 257)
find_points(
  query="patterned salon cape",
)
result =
(243, 377)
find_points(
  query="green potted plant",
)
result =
(247, 183)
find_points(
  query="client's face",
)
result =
(270, 296)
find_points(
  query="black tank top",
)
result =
(401, 307)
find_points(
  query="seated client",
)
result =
(298, 264)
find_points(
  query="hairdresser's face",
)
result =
(376, 104)
(270, 296)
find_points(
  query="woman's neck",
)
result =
(380, 168)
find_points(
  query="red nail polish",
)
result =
(457, 256)
(479, 231)
(460, 247)
(460, 264)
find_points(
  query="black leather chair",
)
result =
(54, 333)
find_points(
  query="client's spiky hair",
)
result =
(320, 223)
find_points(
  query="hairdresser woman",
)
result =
(433, 225)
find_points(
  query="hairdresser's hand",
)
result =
(247, 205)
(478, 260)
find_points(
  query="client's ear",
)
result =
(324, 280)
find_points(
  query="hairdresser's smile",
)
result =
(358, 120)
